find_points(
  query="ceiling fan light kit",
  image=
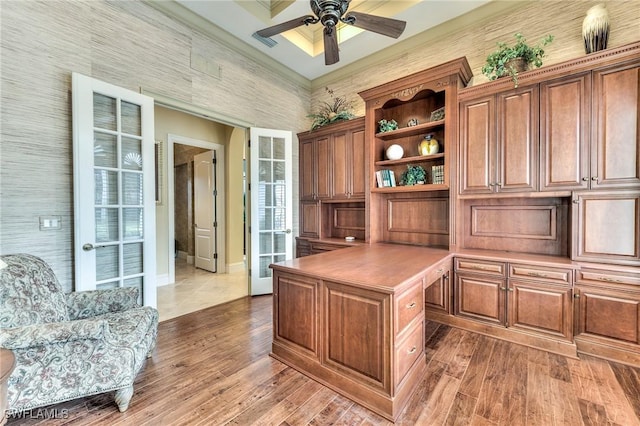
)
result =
(329, 13)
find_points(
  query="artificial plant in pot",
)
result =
(339, 109)
(414, 175)
(509, 60)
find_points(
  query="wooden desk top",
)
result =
(378, 266)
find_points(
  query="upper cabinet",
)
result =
(570, 126)
(499, 143)
(332, 162)
(615, 137)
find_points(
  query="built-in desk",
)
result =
(353, 319)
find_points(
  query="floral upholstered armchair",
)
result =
(69, 345)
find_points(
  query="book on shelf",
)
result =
(385, 178)
(437, 174)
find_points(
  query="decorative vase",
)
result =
(595, 29)
(395, 152)
(428, 146)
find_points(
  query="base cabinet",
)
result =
(608, 314)
(528, 304)
(369, 346)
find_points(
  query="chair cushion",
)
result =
(29, 293)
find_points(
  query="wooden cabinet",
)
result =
(303, 247)
(540, 300)
(348, 164)
(589, 129)
(565, 120)
(531, 299)
(315, 164)
(608, 313)
(606, 227)
(332, 162)
(615, 135)
(309, 219)
(499, 143)
(479, 290)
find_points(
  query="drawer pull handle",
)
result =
(537, 274)
(412, 350)
(411, 305)
(439, 271)
(611, 280)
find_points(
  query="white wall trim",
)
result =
(236, 267)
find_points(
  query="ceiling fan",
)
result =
(329, 13)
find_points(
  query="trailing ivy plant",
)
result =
(497, 64)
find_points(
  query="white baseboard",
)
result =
(162, 280)
(182, 254)
(236, 267)
(190, 260)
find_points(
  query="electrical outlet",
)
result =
(48, 223)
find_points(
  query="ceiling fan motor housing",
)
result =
(329, 11)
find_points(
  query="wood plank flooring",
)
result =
(212, 367)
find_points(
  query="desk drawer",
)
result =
(541, 273)
(408, 351)
(481, 266)
(408, 306)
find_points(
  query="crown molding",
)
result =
(474, 17)
(176, 11)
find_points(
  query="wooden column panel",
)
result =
(340, 166)
(310, 219)
(357, 165)
(295, 313)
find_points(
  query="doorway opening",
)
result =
(183, 136)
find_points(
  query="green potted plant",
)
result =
(339, 109)
(509, 60)
(414, 175)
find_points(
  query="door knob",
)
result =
(89, 246)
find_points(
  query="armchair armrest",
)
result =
(29, 336)
(86, 304)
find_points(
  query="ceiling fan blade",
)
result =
(378, 24)
(286, 26)
(331, 55)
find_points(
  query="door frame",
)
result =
(222, 248)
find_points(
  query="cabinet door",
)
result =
(565, 110)
(310, 219)
(357, 333)
(607, 314)
(295, 313)
(541, 308)
(357, 165)
(323, 167)
(477, 146)
(616, 131)
(480, 298)
(307, 170)
(303, 247)
(341, 165)
(607, 227)
(517, 140)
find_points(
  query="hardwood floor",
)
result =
(212, 367)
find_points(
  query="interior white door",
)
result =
(114, 188)
(271, 204)
(205, 210)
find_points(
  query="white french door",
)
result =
(271, 204)
(114, 198)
